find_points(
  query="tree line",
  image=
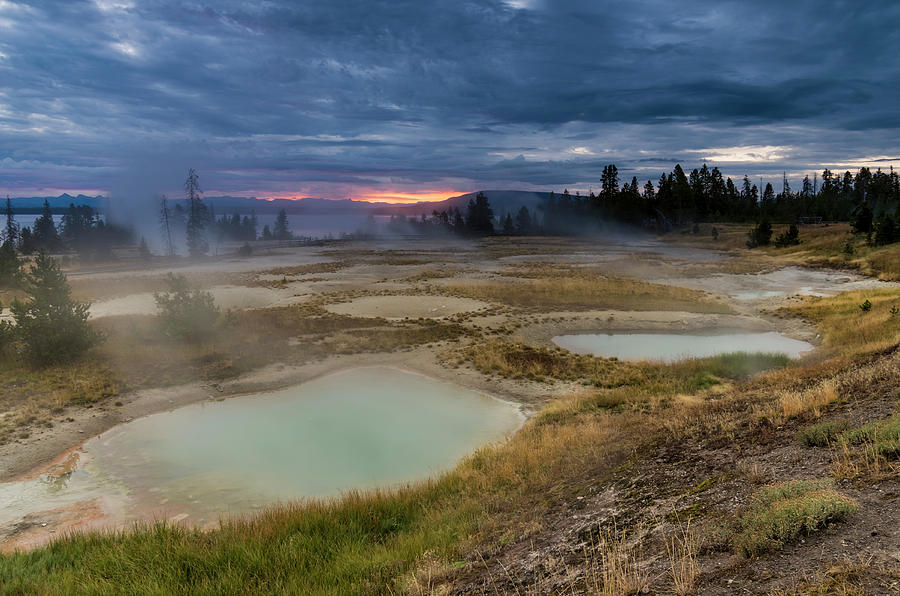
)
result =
(869, 200)
(196, 222)
(866, 199)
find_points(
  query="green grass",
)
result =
(876, 432)
(358, 546)
(823, 434)
(883, 437)
(786, 512)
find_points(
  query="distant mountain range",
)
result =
(502, 201)
(60, 202)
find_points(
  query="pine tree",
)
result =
(165, 226)
(51, 325)
(44, 233)
(479, 215)
(508, 228)
(10, 266)
(144, 250)
(12, 228)
(197, 216)
(281, 230)
(523, 221)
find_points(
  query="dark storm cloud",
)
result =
(325, 97)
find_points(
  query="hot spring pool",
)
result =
(670, 347)
(357, 429)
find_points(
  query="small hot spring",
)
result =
(357, 429)
(670, 347)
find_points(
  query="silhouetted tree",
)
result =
(479, 215)
(10, 266)
(27, 244)
(862, 219)
(165, 226)
(197, 216)
(45, 235)
(282, 231)
(11, 233)
(523, 221)
(760, 235)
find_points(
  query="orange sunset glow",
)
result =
(385, 196)
(407, 197)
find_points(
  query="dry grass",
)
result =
(313, 268)
(684, 569)
(613, 568)
(31, 397)
(521, 361)
(849, 577)
(578, 289)
(812, 399)
(820, 246)
(849, 330)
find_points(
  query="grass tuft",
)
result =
(786, 512)
(823, 434)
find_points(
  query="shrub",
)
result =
(848, 249)
(789, 238)
(185, 313)
(245, 250)
(51, 326)
(824, 434)
(786, 512)
(866, 306)
(761, 235)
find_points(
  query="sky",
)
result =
(410, 100)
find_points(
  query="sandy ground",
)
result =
(789, 281)
(749, 294)
(226, 297)
(398, 307)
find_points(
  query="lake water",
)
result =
(670, 347)
(357, 429)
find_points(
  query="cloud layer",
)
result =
(354, 97)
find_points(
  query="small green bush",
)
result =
(187, 314)
(882, 430)
(866, 306)
(848, 248)
(824, 434)
(883, 435)
(784, 513)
